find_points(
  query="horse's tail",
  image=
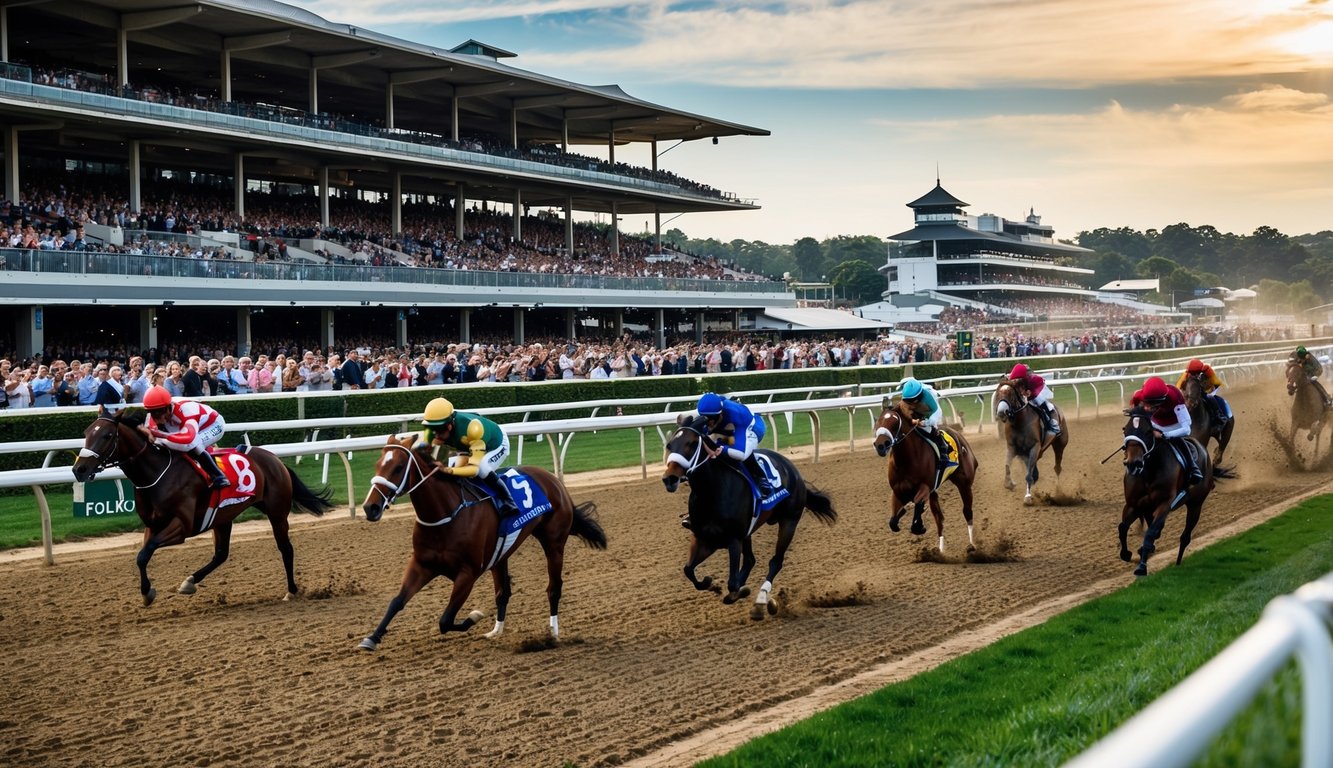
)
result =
(586, 527)
(304, 498)
(819, 503)
(1224, 473)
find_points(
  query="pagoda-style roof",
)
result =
(937, 197)
(955, 232)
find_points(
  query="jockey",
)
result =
(480, 444)
(1033, 387)
(1313, 370)
(741, 431)
(1171, 417)
(925, 408)
(186, 426)
(1211, 383)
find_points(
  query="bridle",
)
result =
(694, 461)
(896, 436)
(1136, 466)
(110, 460)
(379, 483)
(1013, 402)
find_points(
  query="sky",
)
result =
(1093, 113)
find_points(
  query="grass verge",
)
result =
(1042, 696)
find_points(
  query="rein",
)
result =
(896, 436)
(112, 461)
(693, 463)
(398, 489)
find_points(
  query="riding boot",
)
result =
(1196, 475)
(216, 478)
(1322, 393)
(938, 437)
(1052, 423)
(504, 500)
(760, 477)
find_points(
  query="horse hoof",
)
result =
(705, 583)
(290, 596)
(971, 548)
(893, 526)
(743, 592)
(918, 529)
(757, 612)
(730, 598)
(772, 606)
(368, 644)
(474, 617)
(149, 597)
(1029, 501)
(187, 586)
(1124, 555)
(1009, 485)
(1142, 570)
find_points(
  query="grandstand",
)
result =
(278, 168)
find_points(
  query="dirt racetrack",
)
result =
(235, 676)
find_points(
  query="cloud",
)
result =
(1275, 98)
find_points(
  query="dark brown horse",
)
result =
(721, 506)
(1204, 424)
(912, 471)
(1307, 407)
(174, 501)
(1021, 427)
(458, 534)
(1155, 483)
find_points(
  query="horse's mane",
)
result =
(134, 417)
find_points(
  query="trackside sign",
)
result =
(102, 498)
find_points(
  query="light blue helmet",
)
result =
(912, 388)
(710, 404)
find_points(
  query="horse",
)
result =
(1204, 424)
(1155, 483)
(1307, 407)
(458, 534)
(1022, 432)
(173, 498)
(912, 471)
(721, 507)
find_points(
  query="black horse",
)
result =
(721, 510)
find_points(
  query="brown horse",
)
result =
(458, 534)
(1307, 407)
(174, 501)
(1155, 483)
(1023, 433)
(912, 471)
(1205, 424)
(722, 508)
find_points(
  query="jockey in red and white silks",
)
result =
(1170, 416)
(186, 426)
(1034, 388)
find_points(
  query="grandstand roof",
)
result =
(1132, 285)
(936, 197)
(952, 231)
(274, 47)
(813, 319)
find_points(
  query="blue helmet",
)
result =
(710, 404)
(912, 388)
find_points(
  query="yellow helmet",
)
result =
(438, 413)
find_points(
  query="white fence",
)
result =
(1175, 729)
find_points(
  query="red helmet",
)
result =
(1154, 390)
(1195, 366)
(156, 397)
(1020, 371)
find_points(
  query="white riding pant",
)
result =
(933, 421)
(202, 439)
(491, 462)
(1043, 398)
(749, 441)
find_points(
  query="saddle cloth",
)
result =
(774, 480)
(531, 501)
(236, 466)
(950, 460)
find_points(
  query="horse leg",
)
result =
(554, 546)
(699, 552)
(899, 509)
(736, 588)
(414, 579)
(764, 602)
(221, 549)
(463, 583)
(747, 560)
(282, 537)
(503, 590)
(1126, 519)
(939, 518)
(1192, 510)
(918, 507)
(964, 486)
(1059, 446)
(173, 533)
(1150, 538)
(1009, 462)
(1032, 456)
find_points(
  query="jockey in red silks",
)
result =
(1033, 387)
(186, 426)
(1211, 383)
(1170, 416)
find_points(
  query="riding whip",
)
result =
(1118, 450)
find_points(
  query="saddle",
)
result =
(531, 501)
(946, 464)
(241, 490)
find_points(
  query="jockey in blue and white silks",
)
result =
(925, 407)
(741, 432)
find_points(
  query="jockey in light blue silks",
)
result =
(740, 432)
(925, 407)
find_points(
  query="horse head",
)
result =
(1139, 439)
(1193, 390)
(1295, 372)
(1007, 400)
(889, 429)
(103, 446)
(684, 451)
(398, 464)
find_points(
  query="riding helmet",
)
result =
(912, 388)
(438, 413)
(1301, 352)
(1154, 390)
(1195, 366)
(1020, 371)
(710, 404)
(156, 397)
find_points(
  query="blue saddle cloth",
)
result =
(774, 480)
(526, 493)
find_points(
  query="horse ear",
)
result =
(681, 419)
(886, 403)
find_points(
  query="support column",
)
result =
(122, 58)
(699, 327)
(226, 75)
(453, 121)
(314, 91)
(615, 229)
(396, 204)
(4, 34)
(323, 198)
(29, 332)
(571, 323)
(564, 131)
(136, 177)
(513, 124)
(569, 226)
(657, 228)
(400, 329)
(518, 324)
(735, 319)
(147, 328)
(618, 322)
(611, 147)
(460, 200)
(243, 335)
(12, 164)
(238, 181)
(326, 327)
(661, 329)
(465, 325)
(388, 104)
(518, 215)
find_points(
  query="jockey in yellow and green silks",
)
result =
(479, 445)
